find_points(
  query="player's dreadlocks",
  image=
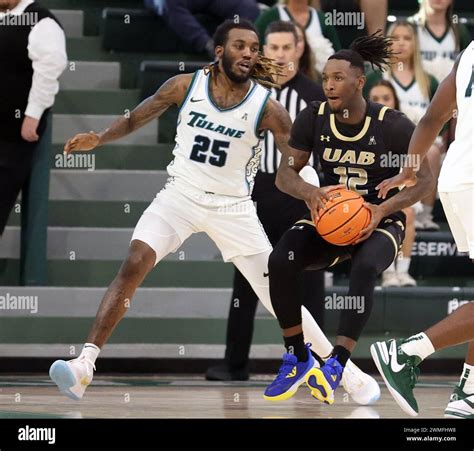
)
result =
(376, 49)
(264, 70)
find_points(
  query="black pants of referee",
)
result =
(277, 212)
(16, 160)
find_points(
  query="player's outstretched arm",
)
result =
(440, 110)
(277, 120)
(403, 199)
(171, 92)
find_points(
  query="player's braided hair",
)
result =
(376, 49)
(263, 72)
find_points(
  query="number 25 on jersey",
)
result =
(200, 151)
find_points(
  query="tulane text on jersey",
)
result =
(199, 120)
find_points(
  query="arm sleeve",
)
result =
(398, 130)
(47, 51)
(302, 131)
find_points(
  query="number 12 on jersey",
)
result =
(200, 151)
(352, 182)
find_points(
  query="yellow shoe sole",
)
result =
(282, 397)
(322, 382)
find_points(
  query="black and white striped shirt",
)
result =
(294, 95)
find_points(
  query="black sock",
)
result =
(295, 345)
(341, 354)
(319, 359)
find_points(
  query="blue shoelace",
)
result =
(285, 367)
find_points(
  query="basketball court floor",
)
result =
(193, 397)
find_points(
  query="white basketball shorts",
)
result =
(180, 209)
(459, 209)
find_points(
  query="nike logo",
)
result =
(292, 373)
(196, 100)
(394, 365)
(266, 274)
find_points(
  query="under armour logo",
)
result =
(244, 117)
(372, 141)
(297, 227)
(324, 138)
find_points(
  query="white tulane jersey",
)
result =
(218, 150)
(410, 96)
(457, 172)
(313, 27)
(432, 47)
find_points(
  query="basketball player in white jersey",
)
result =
(398, 360)
(222, 113)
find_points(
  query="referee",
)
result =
(32, 57)
(277, 211)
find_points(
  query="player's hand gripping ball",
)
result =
(343, 218)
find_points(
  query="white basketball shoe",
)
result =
(461, 405)
(361, 387)
(72, 377)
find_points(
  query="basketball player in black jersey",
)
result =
(357, 142)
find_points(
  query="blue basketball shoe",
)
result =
(290, 376)
(324, 381)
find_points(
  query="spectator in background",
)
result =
(179, 15)
(32, 57)
(276, 210)
(322, 38)
(307, 63)
(415, 88)
(441, 38)
(397, 275)
(373, 12)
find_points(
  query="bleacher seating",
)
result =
(143, 31)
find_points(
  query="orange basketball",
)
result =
(343, 218)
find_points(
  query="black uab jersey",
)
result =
(359, 156)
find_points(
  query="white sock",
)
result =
(403, 264)
(391, 267)
(91, 351)
(466, 383)
(419, 345)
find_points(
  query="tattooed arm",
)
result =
(277, 120)
(172, 92)
(411, 195)
(408, 196)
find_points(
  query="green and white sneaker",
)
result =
(399, 371)
(461, 405)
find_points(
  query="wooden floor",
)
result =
(193, 397)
